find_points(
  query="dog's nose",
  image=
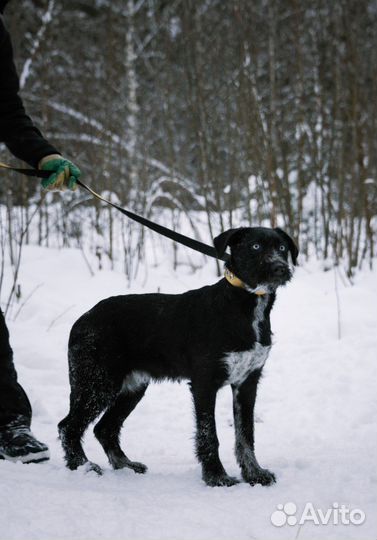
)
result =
(278, 269)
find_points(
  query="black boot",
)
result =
(17, 443)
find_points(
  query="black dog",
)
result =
(216, 335)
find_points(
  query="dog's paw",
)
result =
(220, 480)
(260, 476)
(137, 467)
(125, 463)
(89, 466)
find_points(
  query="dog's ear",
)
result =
(225, 239)
(292, 246)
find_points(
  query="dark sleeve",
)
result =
(17, 130)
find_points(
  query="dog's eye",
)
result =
(256, 246)
(282, 248)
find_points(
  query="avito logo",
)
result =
(286, 514)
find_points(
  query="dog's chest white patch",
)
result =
(241, 364)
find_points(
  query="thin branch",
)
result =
(59, 317)
(26, 300)
(46, 19)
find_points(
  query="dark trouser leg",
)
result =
(15, 407)
(17, 443)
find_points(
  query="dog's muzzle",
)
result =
(280, 272)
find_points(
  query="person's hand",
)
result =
(64, 174)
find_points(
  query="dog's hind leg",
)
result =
(72, 428)
(108, 428)
(91, 393)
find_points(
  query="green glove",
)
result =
(64, 173)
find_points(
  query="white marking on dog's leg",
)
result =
(244, 452)
(252, 472)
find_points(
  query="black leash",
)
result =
(160, 229)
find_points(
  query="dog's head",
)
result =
(259, 256)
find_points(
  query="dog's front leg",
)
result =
(243, 410)
(207, 443)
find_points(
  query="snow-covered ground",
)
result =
(316, 412)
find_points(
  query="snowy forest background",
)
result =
(202, 115)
